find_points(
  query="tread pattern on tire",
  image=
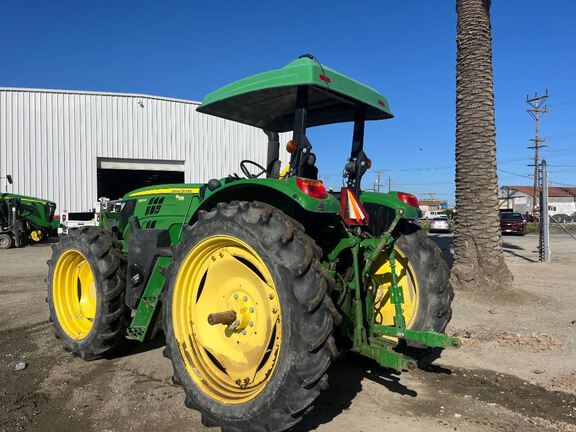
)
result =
(433, 276)
(104, 254)
(7, 241)
(296, 259)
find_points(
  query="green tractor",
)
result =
(25, 220)
(259, 281)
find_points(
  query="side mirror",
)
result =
(9, 178)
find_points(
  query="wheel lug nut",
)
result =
(234, 325)
(251, 324)
(244, 332)
(245, 298)
(251, 310)
(235, 296)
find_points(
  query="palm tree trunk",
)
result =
(478, 260)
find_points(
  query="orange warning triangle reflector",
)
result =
(351, 210)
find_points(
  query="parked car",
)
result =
(431, 214)
(562, 218)
(512, 223)
(440, 224)
(528, 217)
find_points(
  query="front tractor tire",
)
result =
(86, 288)
(424, 278)
(262, 359)
(6, 241)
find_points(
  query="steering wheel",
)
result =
(247, 173)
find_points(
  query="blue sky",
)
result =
(404, 49)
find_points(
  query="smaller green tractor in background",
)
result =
(258, 281)
(25, 219)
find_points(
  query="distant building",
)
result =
(431, 205)
(72, 147)
(561, 200)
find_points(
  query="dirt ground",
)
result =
(517, 369)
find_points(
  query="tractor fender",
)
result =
(282, 194)
(390, 200)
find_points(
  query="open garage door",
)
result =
(116, 177)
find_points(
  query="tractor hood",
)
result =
(268, 100)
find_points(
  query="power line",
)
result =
(560, 136)
(560, 106)
(563, 117)
(513, 173)
(551, 153)
(560, 184)
(529, 176)
(422, 184)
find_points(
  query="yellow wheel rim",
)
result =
(382, 275)
(74, 294)
(36, 235)
(231, 363)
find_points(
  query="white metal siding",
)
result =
(50, 140)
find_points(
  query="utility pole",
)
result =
(544, 243)
(430, 195)
(377, 180)
(536, 110)
(389, 184)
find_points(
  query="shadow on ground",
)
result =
(515, 250)
(345, 377)
(131, 347)
(445, 242)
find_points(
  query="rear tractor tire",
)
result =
(248, 323)
(86, 288)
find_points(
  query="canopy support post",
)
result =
(300, 156)
(273, 154)
(358, 134)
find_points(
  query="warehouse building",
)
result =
(72, 147)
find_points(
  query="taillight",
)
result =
(312, 188)
(409, 199)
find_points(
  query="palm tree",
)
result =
(478, 260)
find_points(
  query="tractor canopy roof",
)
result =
(268, 100)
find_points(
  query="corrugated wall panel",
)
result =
(50, 140)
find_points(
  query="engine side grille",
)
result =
(380, 218)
